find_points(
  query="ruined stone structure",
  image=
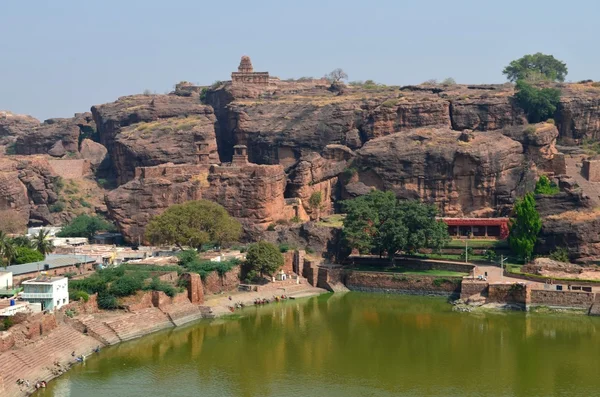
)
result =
(247, 75)
(591, 169)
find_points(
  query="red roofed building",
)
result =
(493, 228)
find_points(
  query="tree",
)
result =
(193, 224)
(524, 227)
(379, 223)
(536, 67)
(448, 81)
(26, 255)
(42, 244)
(85, 226)
(7, 249)
(336, 76)
(545, 186)
(262, 258)
(538, 103)
(314, 202)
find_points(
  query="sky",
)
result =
(60, 57)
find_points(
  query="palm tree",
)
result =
(7, 249)
(41, 242)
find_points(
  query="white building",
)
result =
(51, 292)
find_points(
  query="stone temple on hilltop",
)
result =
(247, 75)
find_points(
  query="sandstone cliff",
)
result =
(27, 187)
(147, 130)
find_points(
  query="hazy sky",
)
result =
(59, 57)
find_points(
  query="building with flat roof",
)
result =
(53, 265)
(51, 292)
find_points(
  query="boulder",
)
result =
(434, 165)
(95, 152)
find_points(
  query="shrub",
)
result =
(126, 285)
(59, 184)
(84, 203)
(70, 313)
(439, 281)
(295, 219)
(77, 295)
(399, 278)
(490, 255)
(86, 226)
(530, 130)
(271, 227)
(551, 121)
(203, 95)
(390, 103)
(561, 254)
(59, 206)
(596, 84)
(468, 252)
(546, 186)
(538, 103)
(11, 149)
(27, 255)
(107, 301)
(448, 81)
(284, 247)
(70, 274)
(157, 285)
(309, 250)
(7, 323)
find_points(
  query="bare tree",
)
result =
(336, 76)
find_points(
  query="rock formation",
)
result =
(27, 187)
(148, 130)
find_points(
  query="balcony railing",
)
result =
(36, 295)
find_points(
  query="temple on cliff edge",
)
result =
(247, 75)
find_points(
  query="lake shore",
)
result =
(51, 356)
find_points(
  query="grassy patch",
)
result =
(335, 220)
(478, 243)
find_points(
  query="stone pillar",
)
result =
(194, 287)
(486, 231)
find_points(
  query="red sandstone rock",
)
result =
(13, 125)
(147, 130)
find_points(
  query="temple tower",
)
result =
(247, 75)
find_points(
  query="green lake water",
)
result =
(353, 344)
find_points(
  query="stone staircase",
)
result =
(26, 361)
(140, 323)
(183, 313)
(99, 330)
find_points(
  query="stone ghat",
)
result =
(140, 323)
(35, 361)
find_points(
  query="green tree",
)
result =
(379, 223)
(545, 186)
(536, 67)
(26, 255)
(7, 249)
(524, 227)
(42, 244)
(85, 226)
(263, 258)
(538, 103)
(193, 224)
(314, 202)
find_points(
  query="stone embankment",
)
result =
(41, 349)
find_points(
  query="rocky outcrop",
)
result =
(56, 137)
(27, 187)
(13, 125)
(252, 192)
(576, 231)
(578, 113)
(95, 153)
(147, 130)
(434, 165)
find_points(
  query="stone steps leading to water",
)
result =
(139, 323)
(38, 358)
(99, 330)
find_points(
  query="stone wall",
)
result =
(400, 283)
(83, 269)
(215, 283)
(507, 293)
(562, 298)
(70, 169)
(591, 170)
(472, 287)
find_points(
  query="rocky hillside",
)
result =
(468, 149)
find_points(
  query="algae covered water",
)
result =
(353, 344)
